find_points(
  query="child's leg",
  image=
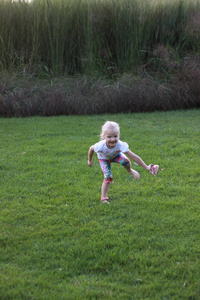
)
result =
(104, 190)
(124, 161)
(106, 168)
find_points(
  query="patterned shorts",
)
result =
(106, 165)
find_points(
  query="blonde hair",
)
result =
(109, 126)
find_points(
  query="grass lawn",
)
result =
(58, 241)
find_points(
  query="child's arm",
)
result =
(137, 159)
(90, 155)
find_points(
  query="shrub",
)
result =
(25, 96)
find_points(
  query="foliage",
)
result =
(59, 242)
(153, 90)
(65, 37)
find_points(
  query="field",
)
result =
(59, 242)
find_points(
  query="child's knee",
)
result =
(126, 163)
(108, 180)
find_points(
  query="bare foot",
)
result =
(135, 174)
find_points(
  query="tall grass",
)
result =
(91, 36)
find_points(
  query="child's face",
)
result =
(111, 138)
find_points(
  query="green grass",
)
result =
(59, 242)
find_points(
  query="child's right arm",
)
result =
(90, 155)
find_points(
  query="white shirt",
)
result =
(103, 152)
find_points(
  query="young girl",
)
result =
(111, 149)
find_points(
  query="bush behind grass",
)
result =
(151, 90)
(59, 241)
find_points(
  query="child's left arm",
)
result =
(137, 159)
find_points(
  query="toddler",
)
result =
(110, 149)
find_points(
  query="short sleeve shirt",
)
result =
(103, 152)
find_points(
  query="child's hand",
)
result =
(154, 169)
(90, 163)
